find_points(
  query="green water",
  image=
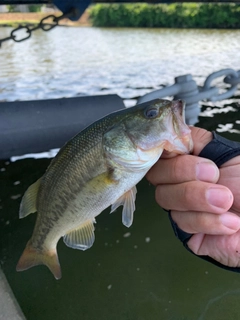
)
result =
(140, 273)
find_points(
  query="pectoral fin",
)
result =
(81, 238)
(29, 201)
(127, 200)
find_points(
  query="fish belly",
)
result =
(96, 196)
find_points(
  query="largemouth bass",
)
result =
(96, 169)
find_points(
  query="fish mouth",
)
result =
(183, 145)
(182, 142)
(178, 106)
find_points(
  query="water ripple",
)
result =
(68, 62)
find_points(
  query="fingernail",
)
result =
(219, 197)
(207, 171)
(230, 221)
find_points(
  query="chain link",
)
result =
(15, 32)
(48, 26)
(234, 81)
(44, 24)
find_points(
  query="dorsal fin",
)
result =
(81, 238)
(28, 204)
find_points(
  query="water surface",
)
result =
(66, 62)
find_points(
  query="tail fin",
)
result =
(32, 257)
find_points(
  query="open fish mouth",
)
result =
(183, 141)
(183, 145)
(177, 135)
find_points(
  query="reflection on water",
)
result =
(140, 273)
(81, 61)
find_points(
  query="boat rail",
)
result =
(186, 88)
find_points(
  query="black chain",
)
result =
(45, 26)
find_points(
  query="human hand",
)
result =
(204, 200)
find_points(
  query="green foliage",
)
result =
(11, 7)
(175, 15)
(31, 8)
(34, 8)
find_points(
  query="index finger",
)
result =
(181, 169)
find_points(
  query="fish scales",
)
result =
(87, 149)
(97, 168)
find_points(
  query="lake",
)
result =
(141, 273)
(66, 62)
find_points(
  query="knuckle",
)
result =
(162, 198)
(177, 169)
(158, 196)
(202, 222)
(189, 194)
(183, 168)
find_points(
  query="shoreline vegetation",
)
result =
(174, 15)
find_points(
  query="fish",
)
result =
(98, 168)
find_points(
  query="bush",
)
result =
(34, 8)
(31, 8)
(175, 15)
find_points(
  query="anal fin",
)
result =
(29, 201)
(81, 238)
(127, 200)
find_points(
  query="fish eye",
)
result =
(151, 113)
